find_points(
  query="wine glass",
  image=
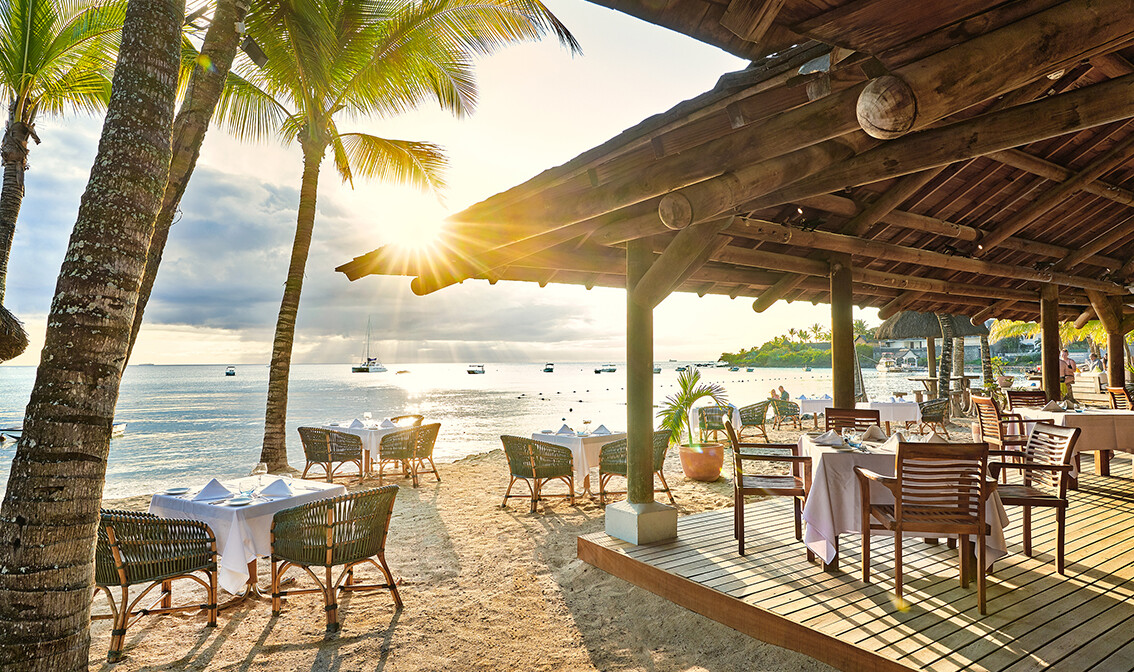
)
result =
(586, 426)
(367, 417)
(259, 471)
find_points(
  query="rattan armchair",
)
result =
(325, 448)
(785, 411)
(612, 462)
(754, 416)
(536, 463)
(410, 448)
(140, 548)
(935, 414)
(711, 420)
(344, 531)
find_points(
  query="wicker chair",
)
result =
(754, 416)
(1046, 467)
(1119, 398)
(934, 415)
(711, 420)
(536, 463)
(346, 531)
(140, 548)
(326, 447)
(938, 488)
(410, 448)
(612, 462)
(785, 411)
(851, 418)
(1018, 398)
(411, 420)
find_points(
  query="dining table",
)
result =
(904, 412)
(814, 406)
(1101, 430)
(371, 433)
(834, 505)
(584, 447)
(243, 532)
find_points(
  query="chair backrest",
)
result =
(712, 417)
(337, 530)
(755, 414)
(408, 420)
(934, 410)
(1119, 398)
(1018, 398)
(425, 437)
(528, 458)
(853, 418)
(316, 443)
(988, 415)
(613, 454)
(1049, 444)
(766, 453)
(343, 446)
(933, 478)
(135, 547)
(784, 408)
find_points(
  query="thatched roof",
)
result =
(912, 324)
(13, 338)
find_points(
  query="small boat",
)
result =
(230, 371)
(682, 369)
(606, 368)
(368, 364)
(549, 367)
(402, 371)
(807, 368)
(475, 369)
(734, 368)
(118, 429)
(657, 369)
(11, 433)
(889, 365)
(749, 369)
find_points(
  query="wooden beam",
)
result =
(835, 242)
(1035, 165)
(1069, 112)
(1116, 359)
(777, 291)
(991, 64)
(639, 377)
(1104, 241)
(842, 333)
(750, 19)
(688, 245)
(1049, 340)
(1110, 318)
(995, 309)
(898, 303)
(1084, 317)
(1051, 198)
(889, 201)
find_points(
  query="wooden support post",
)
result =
(1109, 311)
(842, 332)
(1049, 340)
(931, 361)
(1115, 359)
(639, 379)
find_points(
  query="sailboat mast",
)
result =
(367, 360)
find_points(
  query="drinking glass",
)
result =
(586, 426)
(366, 415)
(259, 471)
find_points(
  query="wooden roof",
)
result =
(964, 154)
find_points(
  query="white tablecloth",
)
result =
(243, 532)
(584, 449)
(814, 406)
(834, 506)
(893, 411)
(371, 436)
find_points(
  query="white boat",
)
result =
(118, 429)
(230, 371)
(475, 368)
(889, 365)
(606, 368)
(681, 369)
(368, 364)
(657, 369)
(549, 367)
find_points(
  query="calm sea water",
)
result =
(189, 423)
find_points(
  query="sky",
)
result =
(219, 287)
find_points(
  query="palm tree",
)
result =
(328, 59)
(674, 413)
(50, 511)
(946, 360)
(55, 56)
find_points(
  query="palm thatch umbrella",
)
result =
(912, 324)
(13, 338)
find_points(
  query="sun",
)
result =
(415, 234)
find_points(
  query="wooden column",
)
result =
(842, 333)
(1049, 339)
(1115, 359)
(639, 378)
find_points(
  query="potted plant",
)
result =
(1002, 379)
(699, 461)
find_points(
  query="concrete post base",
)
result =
(641, 523)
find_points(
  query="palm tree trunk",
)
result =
(50, 511)
(14, 155)
(189, 128)
(946, 359)
(985, 360)
(274, 451)
(958, 356)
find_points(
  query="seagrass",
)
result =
(785, 411)
(324, 447)
(612, 462)
(711, 420)
(858, 419)
(140, 548)
(934, 414)
(340, 531)
(755, 416)
(536, 463)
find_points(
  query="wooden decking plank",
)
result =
(1082, 646)
(1119, 659)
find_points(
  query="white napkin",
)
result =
(565, 430)
(277, 488)
(893, 400)
(874, 433)
(386, 424)
(934, 437)
(547, 431)
(802, 396)
(1053, 406)
(602, 430)
(825, 396)
(212, 490)
(891, 444)
(831, 438)
(356, 424)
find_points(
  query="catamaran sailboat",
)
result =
(368, 364)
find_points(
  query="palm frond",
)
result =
(249, 112)
(420, 164)
(674, 413)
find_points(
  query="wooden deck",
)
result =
(1036, 618)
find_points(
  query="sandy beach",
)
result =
(484, 588)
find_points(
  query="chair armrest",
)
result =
(799, 459)
(1008, 453)
(1035, 466)
(865, 476)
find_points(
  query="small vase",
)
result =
(702, 462)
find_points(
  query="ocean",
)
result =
(186, 424)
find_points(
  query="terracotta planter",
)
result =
(702, 462)
(1005, 381)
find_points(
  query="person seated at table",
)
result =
(1094, 363)
(773, 394)
(784, 394)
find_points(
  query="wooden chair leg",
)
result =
(535, 493)
(503, 504)
(389, 580)
(1028, 531)
(212, 600)
(1060, 538)
(331, 603)
(739, 506)
(798, 519)
(602, 479)
(980, 574)
(963, 559)
(665, 487)
(166, 594)
(866, 545)
(277, 598)
(898, 564)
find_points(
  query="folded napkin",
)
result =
(602, 430)
(802, 396)
(1053, 406)
(212, 490)
(874, 433)
(547, 431)
(891, 444)
(831, 438)
(934, 437)
(825, 396)
(386, 424)
(356, 424)
(277, 488)
(565, 430)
